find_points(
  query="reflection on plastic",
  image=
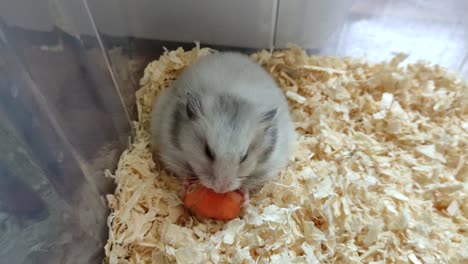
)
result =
(61, 124)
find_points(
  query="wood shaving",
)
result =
(379, 175)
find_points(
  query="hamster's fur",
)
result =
(225, 123)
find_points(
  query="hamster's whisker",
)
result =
(178, 167)
(253, 181)
(192, 179)
(197, 172)
(193, 172)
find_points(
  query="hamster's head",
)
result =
(225, 139)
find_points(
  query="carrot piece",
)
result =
(206, 203)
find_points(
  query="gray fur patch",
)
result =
(193, 106)
(190, 169)
(230, 107)
(176, 124)
(269, 116)
(272, 133)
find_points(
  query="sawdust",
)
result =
(380, 174)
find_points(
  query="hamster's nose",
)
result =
(221, 187)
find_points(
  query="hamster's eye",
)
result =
(244, 157)
(209, 153)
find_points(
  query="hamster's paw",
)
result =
(245, 197)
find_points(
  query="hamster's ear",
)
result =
(193, 106)
(269, 116)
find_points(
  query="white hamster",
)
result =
(225, 123)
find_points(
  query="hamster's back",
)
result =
(232, 73)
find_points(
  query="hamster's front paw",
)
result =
(245, 197)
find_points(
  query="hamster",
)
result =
(225, 123)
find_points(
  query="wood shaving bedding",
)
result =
(379, 176)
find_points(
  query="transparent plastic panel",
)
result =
(241, 23)
(309, 23)
(430, 30)
(136, 33)
(62, 122)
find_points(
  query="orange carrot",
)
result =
(206, 203)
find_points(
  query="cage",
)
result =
(69, 71)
